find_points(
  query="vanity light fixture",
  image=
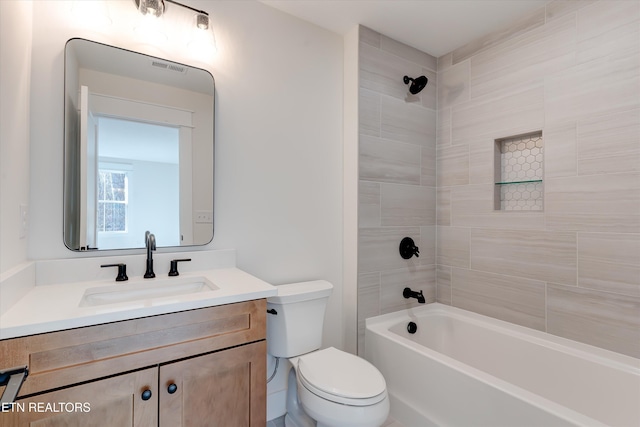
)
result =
(153, 8)
(202, 38)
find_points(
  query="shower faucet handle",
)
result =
(408, 248)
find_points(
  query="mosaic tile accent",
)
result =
(520, 174)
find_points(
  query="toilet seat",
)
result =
(341, 377)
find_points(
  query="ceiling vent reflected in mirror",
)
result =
(168, 66)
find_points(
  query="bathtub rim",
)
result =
(623, 362)
(380, 325)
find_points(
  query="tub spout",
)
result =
(408, 293)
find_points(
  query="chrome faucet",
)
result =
(150, 244)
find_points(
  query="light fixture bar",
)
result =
(187, 7)
(137, 3)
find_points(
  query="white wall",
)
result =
(278, 185)
(15, 46)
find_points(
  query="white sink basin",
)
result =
(145, 289)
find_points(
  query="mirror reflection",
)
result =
(138, 149)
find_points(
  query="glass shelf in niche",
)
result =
(518, 182)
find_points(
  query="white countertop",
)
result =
(57, 307)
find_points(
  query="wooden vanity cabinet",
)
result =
(215, 390)
(115, 401)
(203, 367)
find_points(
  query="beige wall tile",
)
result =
(368, 295)
(481, 161)
(397, 135)
(443, 288)
(559, 8)
(453, 85)
(369, 113)
(408, 53)
(513, 299)
(560, 150)
(453, 165)
(382, 71)
(609, 262)
(587, 57)
(407, 205)
(445, 61)
(598, 318)
(443, 206)
(605, 16)
(473, 206)
(422, 278)
(389, 161)
(515, 114)
(428, 166)
(609, 144)
(378, 248)
(527, 58)
(521, 26)
(429, 95)
(602, 203)
(427, 245)
(368, 303)
(368, 204)
(369, 36)
(407, 122)
(618, 42)
(453, 247)
(603, 86)
(443, 134)
(538, 255)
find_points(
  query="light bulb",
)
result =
(202, 39)
(151, 7)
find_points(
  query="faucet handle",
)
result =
(173, 271)
(122, 271)
(408, 248)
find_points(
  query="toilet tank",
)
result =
(297, 327)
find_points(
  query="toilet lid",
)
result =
(341, 374)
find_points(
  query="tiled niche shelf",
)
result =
(519, 173)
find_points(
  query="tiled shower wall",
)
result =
(572, 71)
(397, 176)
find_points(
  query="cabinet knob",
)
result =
(146, 395)
(172, 388)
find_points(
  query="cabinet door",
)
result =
(112, 402)
(223, 389)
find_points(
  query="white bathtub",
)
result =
(464, 369)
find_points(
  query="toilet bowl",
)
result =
(336, 388)
(328, 387)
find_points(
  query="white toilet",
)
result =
(327, 388)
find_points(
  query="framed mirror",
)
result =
(139, 149)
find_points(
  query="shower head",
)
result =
(417, 84)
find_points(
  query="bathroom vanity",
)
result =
(198, 367)
(197, 359)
